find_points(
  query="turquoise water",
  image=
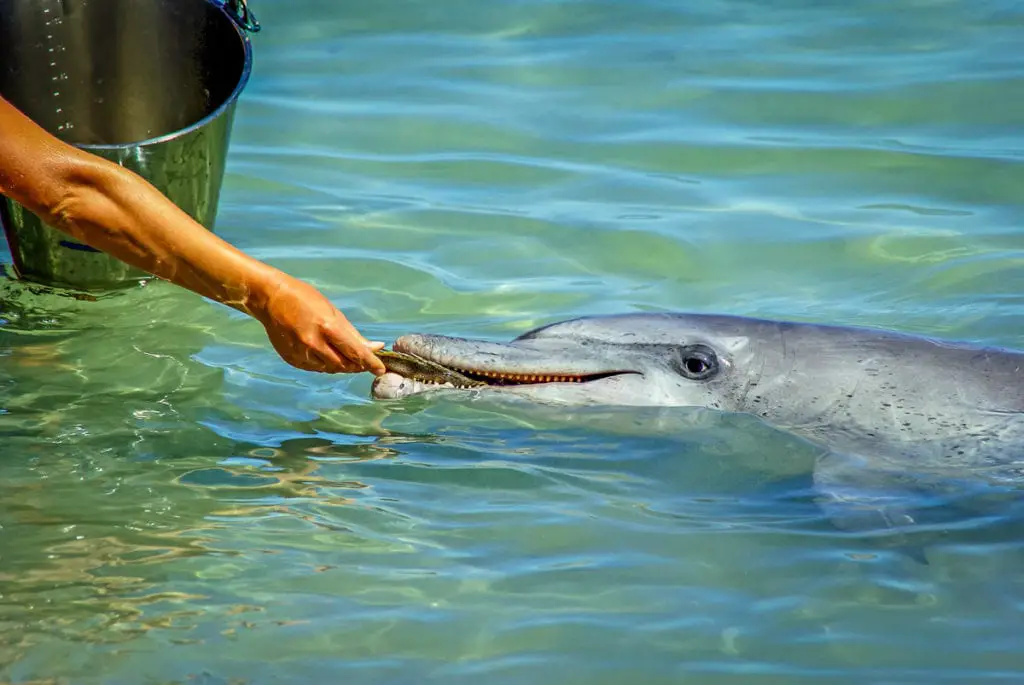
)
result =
(179, 506)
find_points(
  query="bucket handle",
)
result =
(240, 13)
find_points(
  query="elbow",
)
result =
(82, 197)
(98, 204)
(67, 209)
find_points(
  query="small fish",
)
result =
(420, 369)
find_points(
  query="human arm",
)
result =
(118, 212)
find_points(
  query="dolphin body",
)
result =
(894, 413)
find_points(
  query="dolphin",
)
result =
(894, 414)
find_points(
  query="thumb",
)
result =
(375, 365)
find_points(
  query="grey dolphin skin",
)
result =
(893, 413)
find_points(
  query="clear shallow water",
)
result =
(179, 506)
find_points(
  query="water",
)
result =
(178, 506)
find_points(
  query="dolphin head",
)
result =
(689, 360)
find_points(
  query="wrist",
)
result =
(262, 291)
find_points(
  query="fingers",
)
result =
(362, 354)
(353, 358)
(354, 348)
(330, 361)
(311, 334)
(334, 354)
(376, 366)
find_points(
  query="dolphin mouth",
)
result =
(509, 378)
(461, 363)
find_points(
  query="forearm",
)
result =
(116, 211)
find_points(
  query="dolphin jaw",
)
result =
(393, 386)
(502, 365)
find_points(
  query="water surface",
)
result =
(179, 506)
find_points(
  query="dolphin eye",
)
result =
(697, 362)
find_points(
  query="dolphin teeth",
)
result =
(513, 377)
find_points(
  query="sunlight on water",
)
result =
(180, 506)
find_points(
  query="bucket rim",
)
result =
(229, 101)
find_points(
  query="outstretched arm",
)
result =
(118, 212)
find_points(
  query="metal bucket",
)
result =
(149, 84)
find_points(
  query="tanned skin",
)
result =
(118, 212)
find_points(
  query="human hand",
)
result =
(311, 334)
